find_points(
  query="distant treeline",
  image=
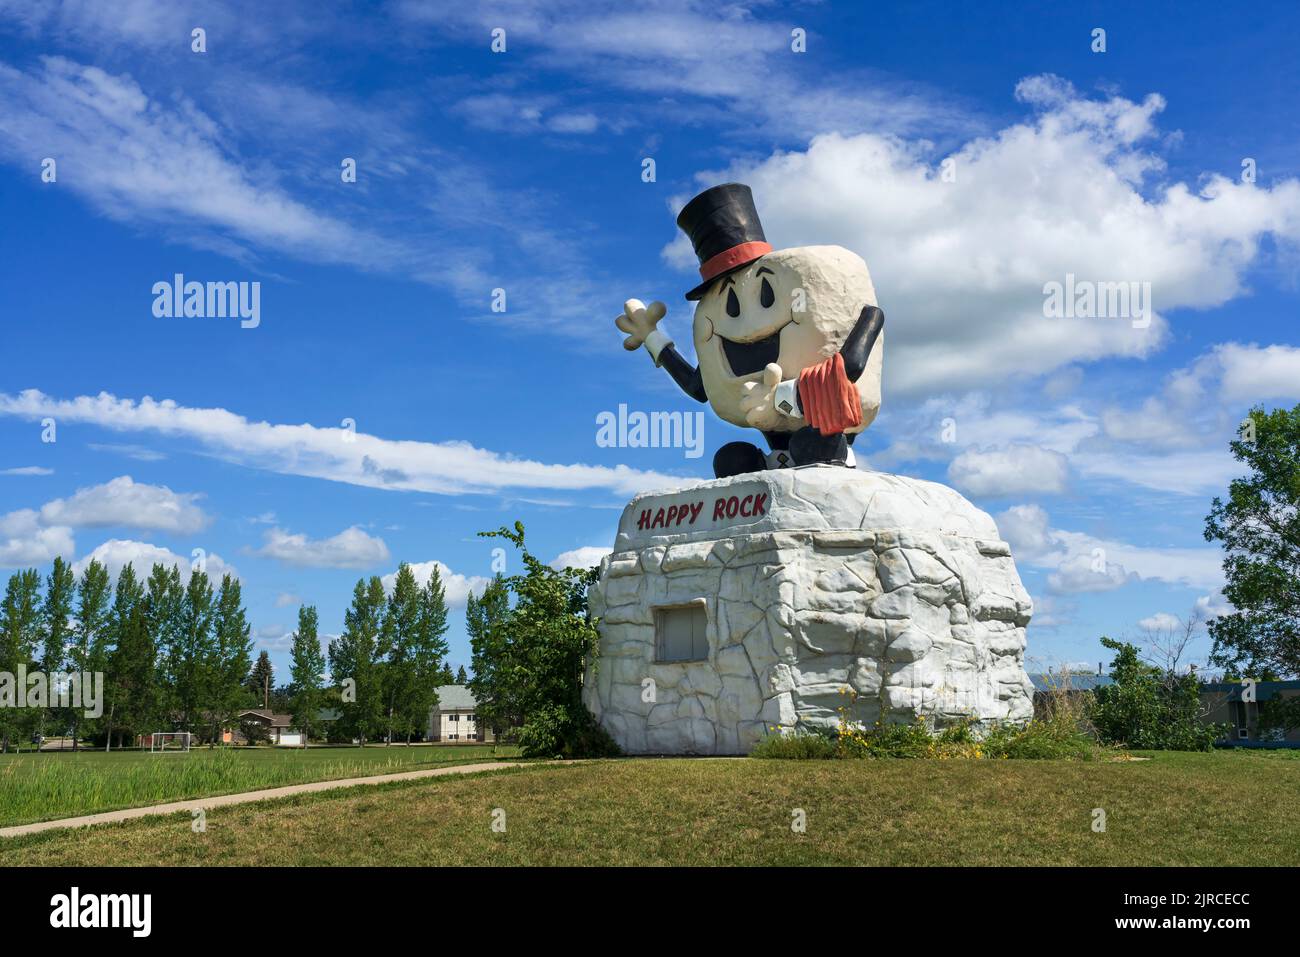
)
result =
(177, 656)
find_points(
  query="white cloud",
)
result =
(963, 264)
(1083, 563)
(28, 470)
(1014, 470)
(446, 468)
(1253, 374)
(1086, 573)
(285, 599)
(455, 586)
(588, 556)
(163, 162)
(25, 541)
(123, 502)
(116, 553)
(350, 548)
(1213, 605)
(1161, 621)
(1026, 529)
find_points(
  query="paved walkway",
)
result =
(246, 797)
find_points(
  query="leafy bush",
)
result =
(1150, 708)
(802, 745)
(530, 657)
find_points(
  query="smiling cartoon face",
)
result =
(794, 307)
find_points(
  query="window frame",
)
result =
(695, 604)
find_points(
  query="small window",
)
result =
(680, 633)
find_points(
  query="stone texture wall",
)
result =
(814, 581)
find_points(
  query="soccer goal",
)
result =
(169, 741)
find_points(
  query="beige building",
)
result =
(1226, 702)
(455, 717)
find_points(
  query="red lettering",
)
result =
(744, 505)
(733, 504)
(644, 521)
(719, 507)
(672, 514)
(760, 505)
(695, 511)
(659, 519)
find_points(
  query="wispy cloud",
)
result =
(446, 468)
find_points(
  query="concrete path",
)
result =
(246, 797)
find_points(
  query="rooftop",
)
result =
(455, 697)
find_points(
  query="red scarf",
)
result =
(830, 401)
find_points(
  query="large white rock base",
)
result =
(814, 582)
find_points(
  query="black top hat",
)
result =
(723, 226)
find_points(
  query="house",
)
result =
(1225, 702)
(1050, 686)
(278, 727)
(455, 718)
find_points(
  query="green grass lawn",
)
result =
(1234, 808)
(48, 785)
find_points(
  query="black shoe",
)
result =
(809, 447)
(737, 458)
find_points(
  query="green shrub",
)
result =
(801, 745)
(1149, 708)
(1062, 733)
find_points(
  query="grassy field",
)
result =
(41, 787)
(1233, 808)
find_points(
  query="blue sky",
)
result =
(521, 171)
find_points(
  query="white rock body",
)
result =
(820, 580)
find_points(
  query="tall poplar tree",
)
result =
(397, 647)
(232, 656)
(190, 661)
(164, 600)
(19, 634)
(56, 627)
(88, 652)
(490, 657)
(131, 687)
(354, 662)
(428, 651)
(307, 672)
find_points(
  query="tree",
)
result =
(545, 645)
(56, 623)
(90, 640)
(1259, 527)
(307, 670)
(164, 600)
(428, 654)
(461, 677)
(397, 640)
(262, 679)
(19, 633)
(132, 685)
(232, 649)
(190, 661)
(1150, 708)
(353, 658)
(485, 621)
